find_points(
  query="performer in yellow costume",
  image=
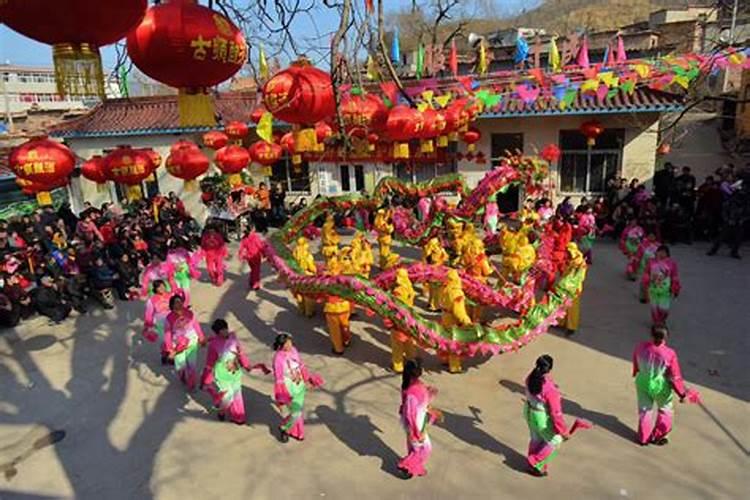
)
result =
(453, 303)
(306, 262)
(362, 255)
(434, 254)
(519, 258)
(402, 345)
(477, 264)
(384, 228)
(337, 311)
(456, 239)
(573, 315)
(329, 238)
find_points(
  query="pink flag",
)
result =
(621, 54)
(580, 424)
(583, 53)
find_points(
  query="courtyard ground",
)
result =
(130, 431)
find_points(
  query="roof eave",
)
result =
(668, 108)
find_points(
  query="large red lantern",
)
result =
(187, 164)
(76, 29)
(236, 130)
(265, 154)
(366, 111)
(404, 124)
(191, 47)
(591, 130)
(231, 160)
(301, 95)
(471, 137)
(130, 167)
(43, 162)
(215, 139)
(93, 170)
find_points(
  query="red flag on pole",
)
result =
(453, 60)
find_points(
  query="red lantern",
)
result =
(664, 149)
(301, 95)
(43, 162)
(237, 130)
(591, 130)
(257, 114)
(187, 164)
(288, 144)
(182, 144)
(323, 131)
(551, 153)
(372, 141)
(129, 166)
(93, 170)
(457, 118)
(191, 47)
(76, 29)
(215, 139)
(155, 157)
(42, 191)
(265, 153)
(364, 110)
(404, 124)
(471, 137)
(434, 125)
(231, 160)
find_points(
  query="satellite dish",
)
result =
(474, 39)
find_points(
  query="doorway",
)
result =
(352, 178)
(501, 145)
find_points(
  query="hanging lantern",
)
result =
(231, 160)
(301, 95)
(471, 137)
(191, 47)
(288, 144)
(551, 153)
(372, 141)
(43, 162)
(76, 29)
(404, 124)
(128, 166)
(591, 129)
(156, 158)
(664, 149)
(363, 110)
(41, 190)
(480, 158)
(457, 118)
(265, 153)
(215, 139)
(257, 114)
(187, 164)
(93, 170)
(323, 132)
(237, 130)
(434, 125)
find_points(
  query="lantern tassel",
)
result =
(427, 146)
(134, 193)
(401, 150)
(78, 70)
(306, 140)
(190, 186)
(234, 179)
(43, 198)
(196, 109)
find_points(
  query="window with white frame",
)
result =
(293, 177)
(586, 169)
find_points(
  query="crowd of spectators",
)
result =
(53, 261)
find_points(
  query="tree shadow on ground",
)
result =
(604, 420)
(466, 428)
(359, 434)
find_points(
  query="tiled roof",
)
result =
(149, 115)
(642, 100)
(158, 114)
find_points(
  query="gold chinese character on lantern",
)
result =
(38, 167)
(219, 49)
(201, 48)
(126, 160)
(49, 167)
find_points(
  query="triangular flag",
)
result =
(422, 106)
(427, 96)
(609, 79)
(621, 54)
(522, 51)
(628, 86)
(554, 55)
(568, 98)
(443, 100)
(643, 70)
(538, 75)
(373, 72)
(420, 61)
(262, 64)
(482, 65)
(369, 7)
(395, 49)
(590, 86)
(601, 92)
(583, 53)
(264, 129)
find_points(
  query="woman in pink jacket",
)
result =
(183, 337)
(251, 251)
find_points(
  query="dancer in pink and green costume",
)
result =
(182, 337)
(661, 281)
(630, 239)
(291, 380)
(646, 251)
(416, 415)
(158, 269)
(222, 375)
(157, 309)
(543, 413)
(657, 374)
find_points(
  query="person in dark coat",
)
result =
(49, 301)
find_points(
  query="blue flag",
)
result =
(395, 48)
(522, 50)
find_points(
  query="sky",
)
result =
(17, 49)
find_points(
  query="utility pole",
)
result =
(733, 26)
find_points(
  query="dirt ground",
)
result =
(130, 431)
